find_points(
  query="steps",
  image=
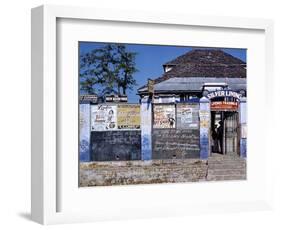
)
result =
(226, 167)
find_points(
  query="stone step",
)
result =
(226, 177)
(227, 172)
(221, 167)
(227, 164)
(227, 159)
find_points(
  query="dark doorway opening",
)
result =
(224, 132)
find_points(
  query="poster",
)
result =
(103, 117)
(188, 116)
(164, 116)
(128, 116)
(243, 130)
(204, 119)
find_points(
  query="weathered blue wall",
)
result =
(85, 125)
(243, 127)
(146, 125)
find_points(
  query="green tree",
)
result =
(110, 68)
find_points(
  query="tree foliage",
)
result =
(109, 68)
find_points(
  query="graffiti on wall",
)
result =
(164, 116)
(103, 117)
(128, 116)
(187, 116)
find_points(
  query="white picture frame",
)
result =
(49, 190)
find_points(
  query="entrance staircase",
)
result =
(226, 167)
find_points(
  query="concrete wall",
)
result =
(116, 145)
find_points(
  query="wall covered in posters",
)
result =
(164, 116)
(103, 117)
(128, 116)
(188, 116)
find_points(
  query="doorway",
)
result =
(224, 132)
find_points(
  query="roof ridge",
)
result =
(194, 55)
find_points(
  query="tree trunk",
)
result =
(124, 90)
(118, 88)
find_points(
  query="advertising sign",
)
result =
(224, 105)
(188, 116)
(224, 93)
(128, 116)
(164, 116)
(243, 130)
(103, 117)
(92, 98)
(116, 98)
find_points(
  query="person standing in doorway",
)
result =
(220, 137)
(215, 139)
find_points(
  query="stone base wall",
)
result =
(141, 172)
(216, 168)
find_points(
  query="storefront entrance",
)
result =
(224, 132)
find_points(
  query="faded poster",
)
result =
(164, 116)
(103, 117)
(128, 116)
(188, 116)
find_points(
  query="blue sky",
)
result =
(150, 58)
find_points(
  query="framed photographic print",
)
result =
(137, 114)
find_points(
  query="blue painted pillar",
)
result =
(146, 128)
(85, 132)
(204, 116)
(243, 127)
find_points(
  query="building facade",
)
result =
(196, 108)
(205, 91)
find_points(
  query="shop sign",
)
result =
(116, 98)
(224, 93)
(92, 98)
(224, 105)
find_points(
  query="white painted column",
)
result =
(243, 127)
(85, 132)
(146, 128)
(204, 115)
